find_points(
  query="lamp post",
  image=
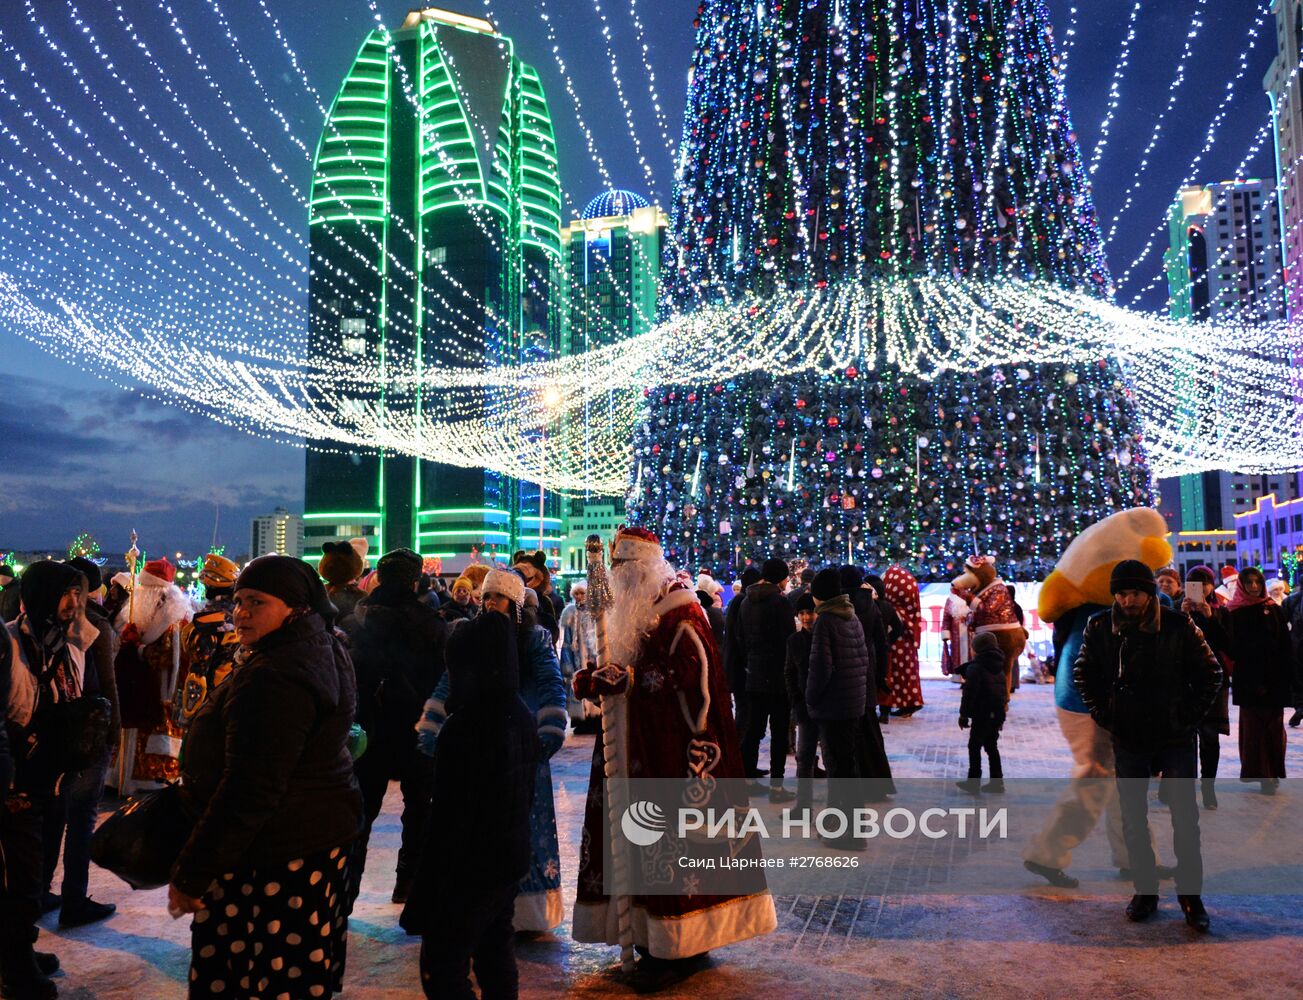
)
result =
(551, 400)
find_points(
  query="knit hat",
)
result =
(827, 584)
(705, 600)
(774, 571)
(804, 603)
(507, 583)
(985, 640)
(461, 583)
(1132, 574)
(1201, 574)
(340, 564)
(399, 568)
(292, 580)
(7, 570)
(851, 578)
(157, 573)
(750, 577)
(1229, 571)
(1168, 571)
(94, 578)
(219, 573)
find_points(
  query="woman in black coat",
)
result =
(1261, 682)
(268, 771)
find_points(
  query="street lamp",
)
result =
(551, 400)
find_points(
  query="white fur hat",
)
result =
(709, 584)
(636, 544)
(507, 583)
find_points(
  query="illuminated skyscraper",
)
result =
(435, 238)
(614, 264)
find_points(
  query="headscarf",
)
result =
(1241, 598)
(291, 580)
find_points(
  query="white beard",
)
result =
(635, 589)
(156, 610)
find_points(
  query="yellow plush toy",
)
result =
(1082, 573)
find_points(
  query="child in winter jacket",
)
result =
(796, 671)
(982, 707)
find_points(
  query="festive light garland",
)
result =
(984, 265)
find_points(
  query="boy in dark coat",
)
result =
(477, 848)
(982, 707)
(796, 672)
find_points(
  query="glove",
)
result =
(963, 722)
(550, 743)
(130, 634)
(589, 685)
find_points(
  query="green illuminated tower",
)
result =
(435, 239)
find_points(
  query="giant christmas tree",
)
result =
(840, 141)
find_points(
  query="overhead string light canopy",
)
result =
(882, 203)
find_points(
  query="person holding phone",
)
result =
(1207, 610)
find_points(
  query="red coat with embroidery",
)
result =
(679, 712)
(993, 609)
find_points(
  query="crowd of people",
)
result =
(286, 703)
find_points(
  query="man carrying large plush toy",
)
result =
(1077, 589)
(678, 724)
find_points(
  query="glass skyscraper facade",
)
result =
(435, 240)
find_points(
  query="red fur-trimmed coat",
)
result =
(679, 718)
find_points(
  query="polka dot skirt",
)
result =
(275, 933)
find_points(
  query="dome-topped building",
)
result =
(616, 203)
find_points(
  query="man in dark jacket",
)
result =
(398, 657)
(71, 815)
(735, 660)
(9, 594)
(764, 623)
(1148, 678)
(42, 666)
(982, 706)
(836, 696)
(479, 850)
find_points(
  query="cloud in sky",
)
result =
(89, 457)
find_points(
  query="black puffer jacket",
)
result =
(484, 775)
(267, 767)
(6, 759)
(397, 653)
(983, 698)
(1149, 685)
(1258, 637)
(764, 623)
(796, 672)
(840, 672)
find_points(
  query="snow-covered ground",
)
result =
(1037, 943)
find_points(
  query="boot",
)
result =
(994, 786)
(884, 714)
(1296, 718)
(1208, 788)
(973, 786)
(1195, 914)
(1141, 908)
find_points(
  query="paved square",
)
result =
(1037, 943)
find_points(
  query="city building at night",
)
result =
(614, 253)
(1223, 262)
(1284, 91)
(278, 533)
(435, 236)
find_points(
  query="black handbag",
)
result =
(141, 842)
